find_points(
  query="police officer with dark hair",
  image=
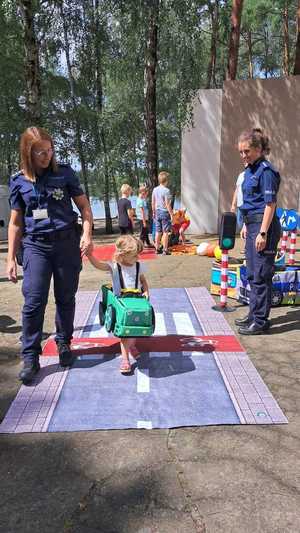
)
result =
(261, 228)
(43, 220)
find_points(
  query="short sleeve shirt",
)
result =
(260, 187)
(53, 191)
(129, 276)
(123, 205)
(160, 196)
(141, 203)
(239, 183)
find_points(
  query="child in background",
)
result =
(162, 213)
(126, 255)
(142, 215)
(125, 211)
(180, 222)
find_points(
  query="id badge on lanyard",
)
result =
(39, 213)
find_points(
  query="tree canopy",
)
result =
(82, 70)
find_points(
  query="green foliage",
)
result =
(110, 107)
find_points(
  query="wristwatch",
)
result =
(262, 233)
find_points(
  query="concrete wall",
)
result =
(210, 159)
(200, 162)
(274, 105)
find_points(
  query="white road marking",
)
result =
(183, 324)
(159, 354)
(144, 424)
(160, 326)
(97, 330)
(143, 380)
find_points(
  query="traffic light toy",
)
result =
(227, 231)
(226, 242)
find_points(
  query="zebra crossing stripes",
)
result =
(142, 380)
(144, 424)
(183, 324)
(160, 325)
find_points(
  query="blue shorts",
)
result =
(162, 221)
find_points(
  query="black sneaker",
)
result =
(166, 252)
(66, 358)
(29, 370)
(159, 250)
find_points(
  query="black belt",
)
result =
(52, 236)
(256, 217)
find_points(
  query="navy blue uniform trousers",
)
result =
(260, 269)
(42, 260)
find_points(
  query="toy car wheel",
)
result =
(153, 319)
(101, 314)
(276, 298)
(110, 318)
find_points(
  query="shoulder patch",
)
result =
(18, 173)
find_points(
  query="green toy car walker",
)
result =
(127, 315)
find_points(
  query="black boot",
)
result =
(66, 357)
(29, 370)
(242, 321)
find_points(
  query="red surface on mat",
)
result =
(105, 253)
(168, 343)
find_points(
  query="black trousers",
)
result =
(144, 232)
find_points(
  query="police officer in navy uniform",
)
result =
(42, 218)
(261, 228)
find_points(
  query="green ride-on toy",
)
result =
(127, 315)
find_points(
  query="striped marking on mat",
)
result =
(160, 324)
(143, 380)
(144, 424)
(183, 324)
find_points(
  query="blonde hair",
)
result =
(163, 178)
(29, 138)
(127, 249)
(126, 189)
(143, 188)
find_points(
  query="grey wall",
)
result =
(200, 162)
(210, 160)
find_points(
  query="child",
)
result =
(142, 215)
(237, 199)
(180, 222)
(125, 211)
(162, 213)
(126, 256)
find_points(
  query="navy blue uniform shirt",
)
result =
(260, 187)
(52, 191)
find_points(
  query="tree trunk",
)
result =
(286, 44)
(99, 112)
(211, 70)
(32, 67)
(150, 92)
(250, 54)
(297, 55)
(74, 103)
(234, 39)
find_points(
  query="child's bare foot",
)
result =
(134, 352)
(125, 367)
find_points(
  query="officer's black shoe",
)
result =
(66, 358)
(242, 321)
(28, 372)
(254, 329)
